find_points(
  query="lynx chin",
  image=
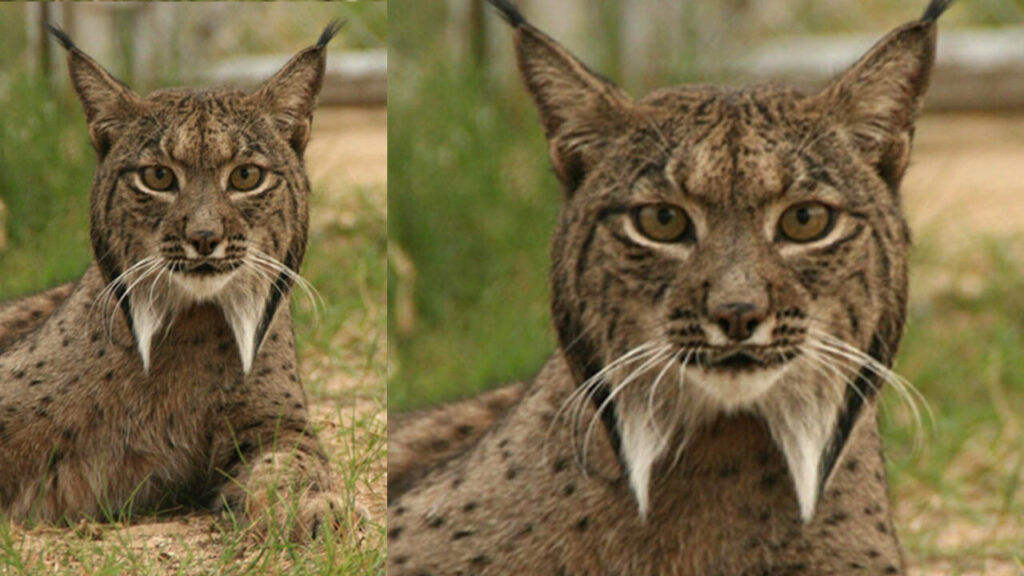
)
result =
(167, 374)
(729, 288)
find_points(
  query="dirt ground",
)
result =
(967, 177)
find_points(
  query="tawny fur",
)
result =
(420, 442)
(143, 387)
(643, 447)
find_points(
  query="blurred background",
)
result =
(46, 166)
(473, 201)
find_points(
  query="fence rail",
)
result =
(646, 43)
(153, 44)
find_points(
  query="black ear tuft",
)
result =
(329, 33)
(935, 9)
(61, 36)
(509, 12)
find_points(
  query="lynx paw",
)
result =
(327, 513)
(300, 520)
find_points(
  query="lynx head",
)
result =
(727, 250)
(200, 195)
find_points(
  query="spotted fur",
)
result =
(167, 374)
(712, 407)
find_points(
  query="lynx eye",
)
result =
(806, 222)
(245, 178)
(158, 178)
(662, 222)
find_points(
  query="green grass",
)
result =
(465, 186)
(46, 166)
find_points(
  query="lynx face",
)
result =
(726, 250)
(200, 196)
(733, 232)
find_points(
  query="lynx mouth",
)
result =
(745, 359)
(205, 268)
(738, 360)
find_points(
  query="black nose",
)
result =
(738, 319)
(204, 241)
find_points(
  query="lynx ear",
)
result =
(291, 94)
(105, 99)
(578, 108)
(878, 98)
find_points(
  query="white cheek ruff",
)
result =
(154, 307)
(802, 433)
(243, 309)
(801, 423)
(147, 319)
(641, 447)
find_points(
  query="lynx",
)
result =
(167, 374)
(729, 286)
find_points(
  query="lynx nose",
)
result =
(204, 241)
(738, 319)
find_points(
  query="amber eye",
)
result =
(806, 222)
(662, 222)
(158, 178)
(245, 177)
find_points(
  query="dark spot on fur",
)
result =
(435, 522)
(836, 518)
(728, 470)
